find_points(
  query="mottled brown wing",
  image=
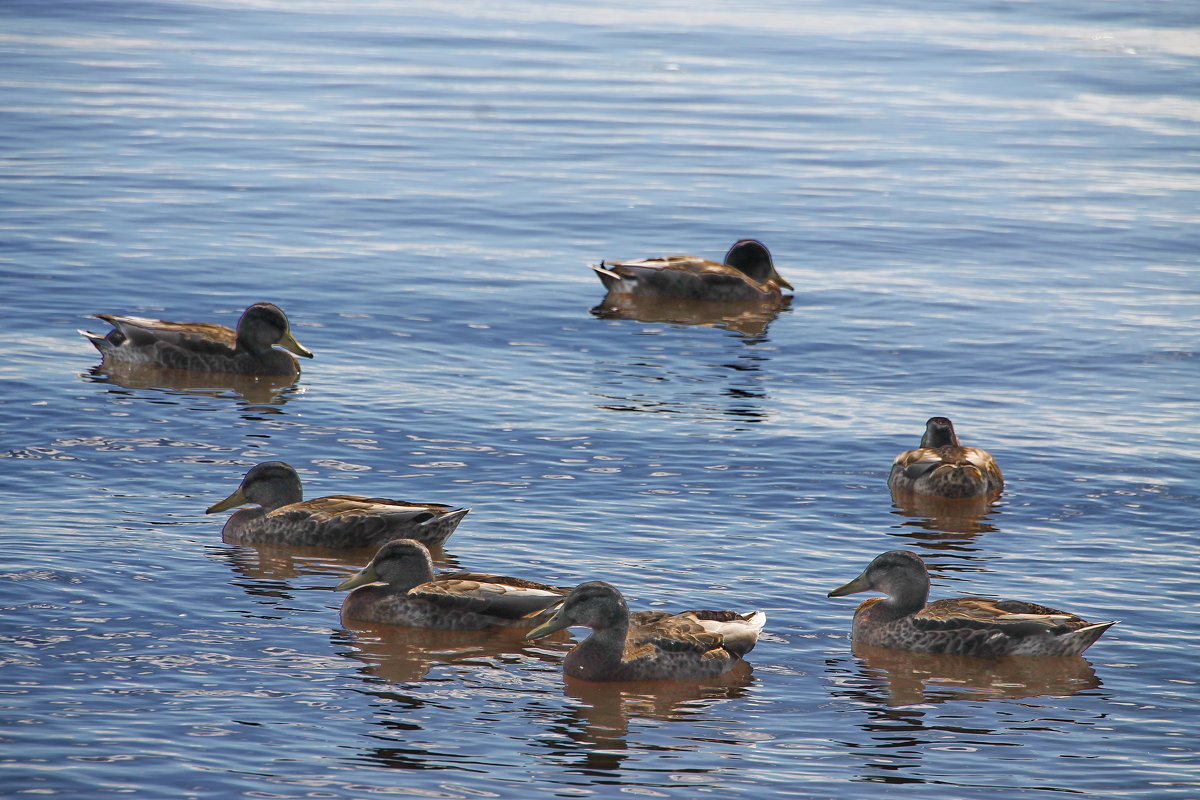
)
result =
(507, 580)
(916, 463)
(495, 595)
(675, 633)
(345, 519)
(986, 464)
(652, 268)
(196, 336)
(1011, 617)
(644, 618)
(387, 504)
(353, 508)
(436, 507)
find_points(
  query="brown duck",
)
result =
(648, 645)
(204, 346)
(400, 587)
(943, 467)
(283, 516)
(748, 273)
(972, 626)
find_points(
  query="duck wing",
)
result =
(1013, 618)
(493, 595)
(671, 267)
(349, 520)
(353, 509)
(983, 461)
(380, 505)
(200, 337)
(916, 463)
(706, 633)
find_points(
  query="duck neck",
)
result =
(281, 493)
(907, 600)
(939, 436)
(414, 574)
(599, 655)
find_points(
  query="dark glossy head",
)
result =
(595, 604)
(751, 258)
(900, 574)
(271, 484)
(401, 563)
(939, 432)
(263, 325)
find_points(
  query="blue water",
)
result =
(987, 212)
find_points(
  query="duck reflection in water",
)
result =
(958, 516)
(268, 572)
(402, 654)
(280, 561)
(671, 372)
(893, 696)
(904, 677)
(250, 389)
(749, 318)
(594, 730)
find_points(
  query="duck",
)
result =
(648, 645)
(343, 521)
(943, 467)
(400, 587)
(971, 626)
(748, 273)
(204, 346)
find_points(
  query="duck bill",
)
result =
(859, 584)
(782, 281)
(555, 623)
(233, 501)
(361, 578)
(288, 342)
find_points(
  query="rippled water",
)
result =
(987, 213)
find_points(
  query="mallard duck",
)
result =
(340, 520)
(204, 346)
(971, 626)
(648, 645)
(399, 587)
(942, 467)
(747, 274)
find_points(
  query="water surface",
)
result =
(987, 213)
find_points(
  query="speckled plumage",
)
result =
(974, 626)
(204, 346)
(400, 587)
(649, 645)
(943, 467)
(341, 521)
(748, 273)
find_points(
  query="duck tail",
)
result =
(1085, 637)
(606, 275)
(438, 529)
(740, 635)
(99, 342)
